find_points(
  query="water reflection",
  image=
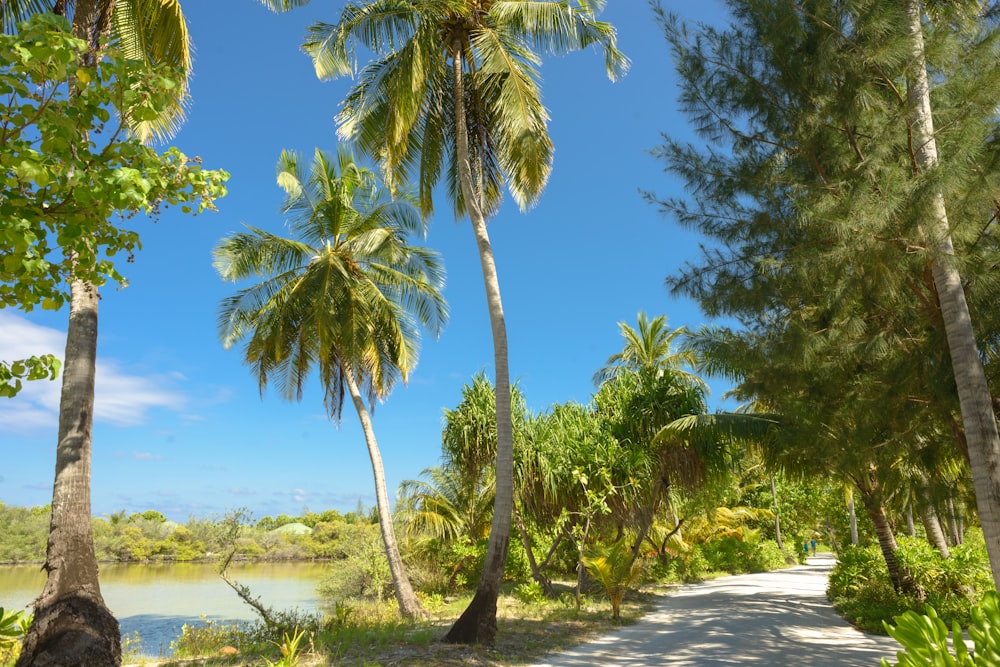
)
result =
(156, 599)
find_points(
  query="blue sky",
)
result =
(180, 424)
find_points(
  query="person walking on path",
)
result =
(777, 619)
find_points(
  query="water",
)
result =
(155, 600)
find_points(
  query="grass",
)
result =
(526, 631)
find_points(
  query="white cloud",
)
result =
(121, 399)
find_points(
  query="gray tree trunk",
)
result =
(853, 517)
(72, 624)
(409, 606)
(478, 623)
(978, 419)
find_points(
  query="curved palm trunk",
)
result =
(409, 606)
(72, 624)
(902, 579)
(978, 418)
(478, 623)
(932, 523)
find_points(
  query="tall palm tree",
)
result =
(346, 296)
(453, 87)
(72, 622)
(651, 346)
(978, 418)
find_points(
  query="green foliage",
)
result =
(737, 555)
(23, 533)
(857, 568)
(13, 628)
(614, 567)
(362, 571)
(690, 566)
(290, 647)
(926, 641)
(64, 189)
(861, 590)
(529, 592)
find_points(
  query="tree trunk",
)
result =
(852, 516)
(777, 521)
(536, 572)
(953, 531)
(978, 419)
(900, 575)
(478, 623)
(409, 606)
(911, 529)
(930, 520)
(932, 526)
(72, 624)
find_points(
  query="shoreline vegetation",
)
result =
(359, 622)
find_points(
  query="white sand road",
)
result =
(772, 619)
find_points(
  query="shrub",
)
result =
(690, 566)
(735, 555)
(857, 568)
(529, 592)
(925, 638)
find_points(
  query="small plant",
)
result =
(615, 568)
(13, 627)
(529, 592)
(925, 638)
(290, 648)
(131, 647)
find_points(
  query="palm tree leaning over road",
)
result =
(150, 32)
(453, 91)
(346, 295)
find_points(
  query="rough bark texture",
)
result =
(478, 623)
(72, 624)
(409, 606)
(931, 521)
(902, 579)
(978, 420)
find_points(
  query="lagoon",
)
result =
(156, 599)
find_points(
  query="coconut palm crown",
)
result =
(350, 254)
(402, 108)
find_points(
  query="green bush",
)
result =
(690, 566)
(857, 568)
(529, 592)
(925, 638)
(736, 556)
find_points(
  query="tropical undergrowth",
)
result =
(861, 591)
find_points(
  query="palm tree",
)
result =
(72, 622)
(651, 346)
(453, 87)
(978, 418)
(347, 296)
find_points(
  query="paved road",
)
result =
(773, 619)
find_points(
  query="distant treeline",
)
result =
(150, 536)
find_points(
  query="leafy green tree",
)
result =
(346, 297)
(453, 91)
(67, 188)
(830, 214)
